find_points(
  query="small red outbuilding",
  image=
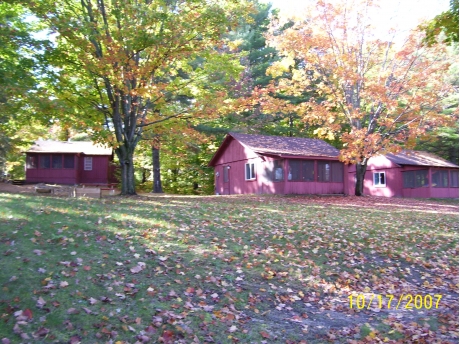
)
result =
(67, 162)
(411, 174)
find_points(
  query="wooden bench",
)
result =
(88, 192)
(99, 185)
(44, 190)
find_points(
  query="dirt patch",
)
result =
(10, 188)
(54, 190)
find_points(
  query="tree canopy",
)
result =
(122, 64)
(376, 94)
(445, 23)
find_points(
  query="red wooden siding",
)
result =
(384, 177)
(99, 172)
(37, 174)
(395, 183)
(236, 156)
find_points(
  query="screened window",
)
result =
(56, 161)
(226, 179)
(279, 171)
(88, 163)
(330, 171)
(454, 179)
(301, 170)
(324, 171)
(421, 178)
(274, 171)
(380, 179)
(32, 161)
(415, 179)
(440, 179)
(337, 172)
(69, 161)
(250, 173)
(45, 161)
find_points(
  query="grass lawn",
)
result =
(239, 269)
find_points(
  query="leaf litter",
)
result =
(227, 269)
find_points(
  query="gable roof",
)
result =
(278, 145)
(85, 147)
(286, 145)
(419, 158)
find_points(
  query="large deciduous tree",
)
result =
(21, 55)
(378, 94)
(121, 63)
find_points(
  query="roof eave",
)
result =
(220, 150)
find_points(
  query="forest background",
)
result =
(196, 91)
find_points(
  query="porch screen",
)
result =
(301, 170)
(330, 171)
(45, 161)
(32, 161)
(440, 179)
(274, 171)
(69, 161)
(415, 179)
(454, 179)
(56, 161)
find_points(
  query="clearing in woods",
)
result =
(233, 269)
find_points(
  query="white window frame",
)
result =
(88, 163)
(252, 171)
(379, 185)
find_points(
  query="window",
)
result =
(415, 179)
(31, 161)
(250, 171)
(454, 179)
(226, 179)
(337, 172)
(45, 161)
(421, 178)
(69, 161)
(301, 170)
(330, 171)
(88, 163)
(56, 161)
(440, 179)
(379, 179)
(275, 171)
(324, 171)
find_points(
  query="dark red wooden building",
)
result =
(69, 162)
(258, 164)
(277, 165)
(413, 174)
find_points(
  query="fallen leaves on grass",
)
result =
(231, 269)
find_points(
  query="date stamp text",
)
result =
(405, 301)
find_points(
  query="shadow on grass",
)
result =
(193, 269)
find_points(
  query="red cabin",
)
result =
(412, 174)
(69, 162)
(258, 164)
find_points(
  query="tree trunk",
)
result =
(156, 170)
(360, 174)
(126, 155)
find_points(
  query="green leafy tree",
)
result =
(21, 56)
(121, 62)
(445, 24)
(376, 95)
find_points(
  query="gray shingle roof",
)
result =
(419, 158)
(286, 145)
(88, 148)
